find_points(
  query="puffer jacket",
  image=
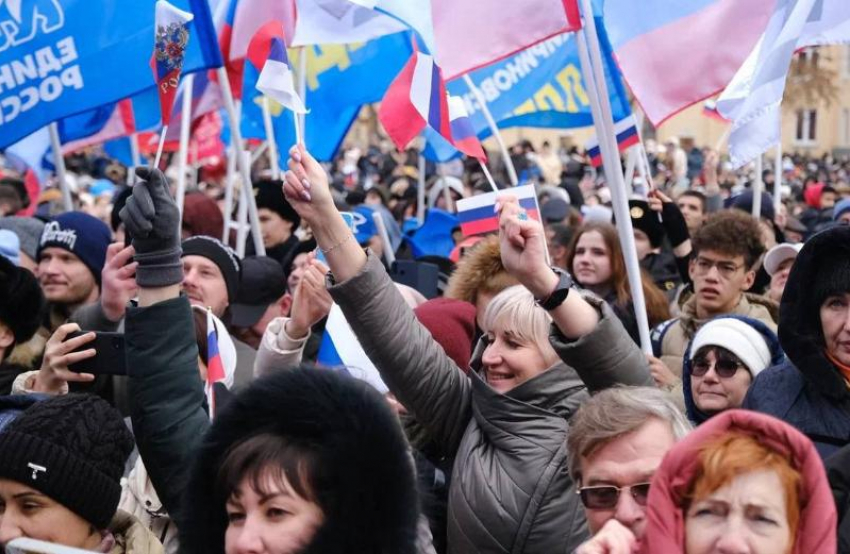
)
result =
(696, 415)
(807, 390)
(666, 506)
(510, 489)
(671, 338)
(838, 473)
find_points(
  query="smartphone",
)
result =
(32, 546)
(421, 276)
(110, 357)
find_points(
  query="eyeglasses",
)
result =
(723, 368)
(605, 497)
(726, 270)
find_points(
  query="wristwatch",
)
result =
(562, 290)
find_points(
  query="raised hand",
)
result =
(118, 280)
(312, 300)
(306, 186)
(59, 353)
(153, 220)
(522, 244)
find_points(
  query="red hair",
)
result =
(730, 455)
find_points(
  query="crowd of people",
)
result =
(160, 393)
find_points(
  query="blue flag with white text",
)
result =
(62, 57)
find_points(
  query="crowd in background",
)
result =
(516, 408)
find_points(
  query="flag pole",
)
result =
(420, 192)
(185, 127)
(389, 255)
(59, 163)
(267, 123)
(300, 119)
(229, 183)
(777, 172)
(758, 186)
(592, 69)
(244, 163)
(488, 176)
(160, 147)
(135, 155)
(509, 165)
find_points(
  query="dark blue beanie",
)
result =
(81, 234)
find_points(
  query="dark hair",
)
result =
(695, 194)
(731, 232)
(200, 320)
(266, 456)
(562, 235)
(719, 353)
(832, 279)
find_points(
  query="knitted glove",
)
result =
(153, 221)
(674, 224)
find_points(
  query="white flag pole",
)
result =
(300, 119)
(488, 176)
(135, 154)
(160, 147)
(59, 163)
(244, 162)
(777, 173)
(758, 186)
(594, 75)
(420, 190)
(482, 103)
(185, 127)
(267, 123)
(389, 255)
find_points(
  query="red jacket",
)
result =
(665, 529)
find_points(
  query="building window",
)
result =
(807, 126)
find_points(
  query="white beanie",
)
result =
(737, 337)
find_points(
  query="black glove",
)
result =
(674, 224)
(153, 221)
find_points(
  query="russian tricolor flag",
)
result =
(463, 135)
(170, 39)
(215, 367)
(267, 53)
(477, 215)
(341, 349)
(627, 136)
(416, 98)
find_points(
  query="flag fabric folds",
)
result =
(267, 53)
(90, 128)
(627, 136)
(674, 53)
(478, 215)
(340, 22)
(709, 110)
(416, 98)
(341, 349)
(221, 360)
(752, 100)
(171, 36)
(463, 135)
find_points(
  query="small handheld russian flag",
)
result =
(477, 215)
(415, 99)
(267, 53)
(215, 367)
(170, 41)
(627, 136)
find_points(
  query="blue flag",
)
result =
(340, 79)
(542, 86)
(62, 57)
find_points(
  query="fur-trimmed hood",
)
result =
(365, 474)
(479, 270)
(799, 325)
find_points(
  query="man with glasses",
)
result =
(726, 253)
(616, 442)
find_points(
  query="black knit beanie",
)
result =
(221, 255)
(72, 448)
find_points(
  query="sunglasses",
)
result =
(723, 368)
(605, 497)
